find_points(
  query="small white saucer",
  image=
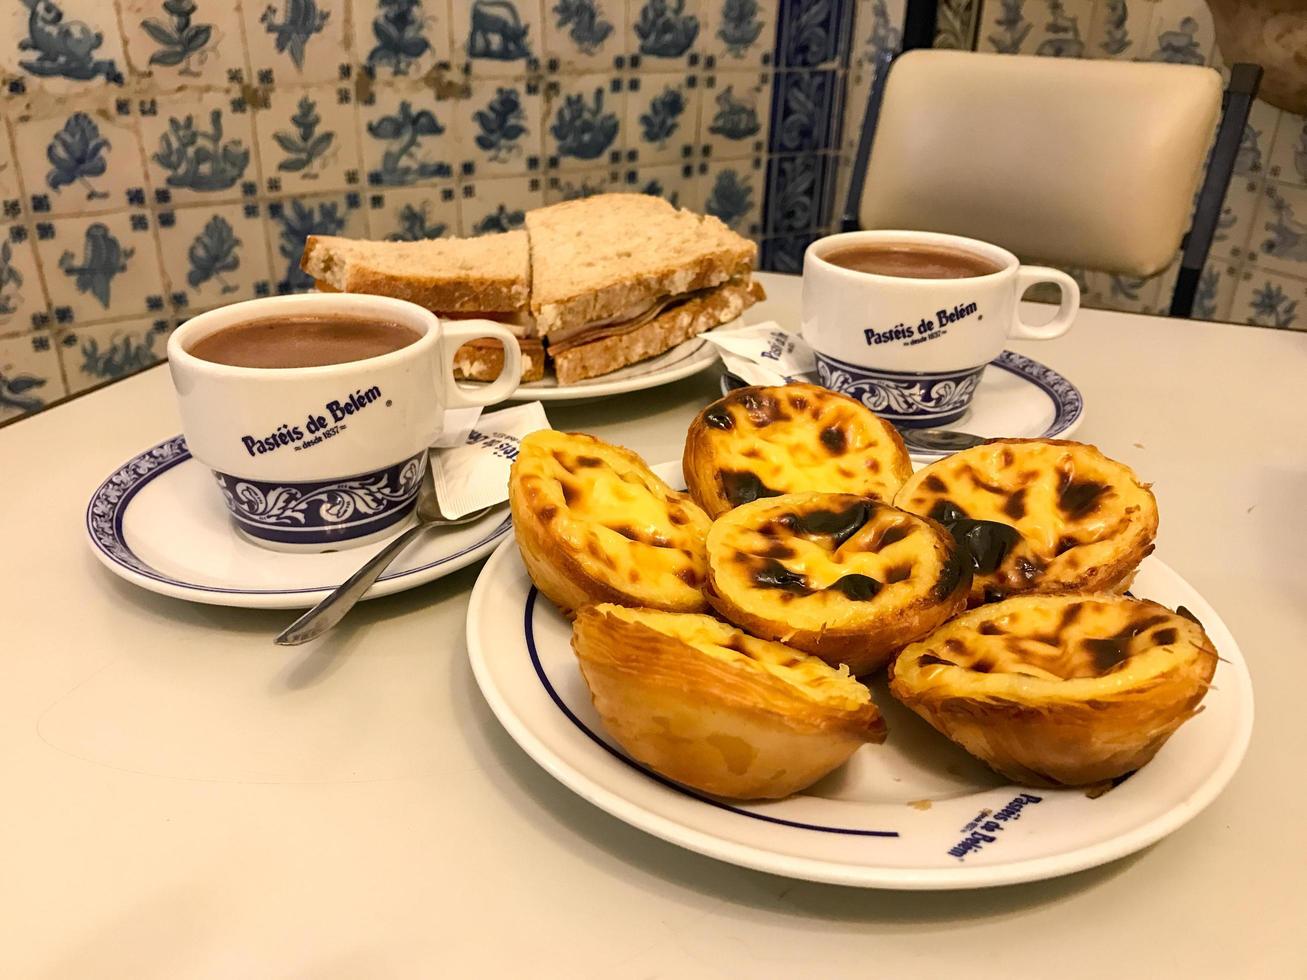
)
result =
(158, 521)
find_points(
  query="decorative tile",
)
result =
(1215, 293)
(584, 114)
(665, 34)
(62, 47)
(1235, 225)
(785, 253)
(199, 149)
(499, 37)
(1289, 156)
(1279, 235)
(23, 304)
(1182, 33)
(798, 192)
(501, 127)
(733, 191)
(498, 205)
(662, 118)
(183, 42)
(814, 33)
(734, 114)
(107, 352)
(1131, 294)
(1120, 29)
(1259, 136)
(402, 38)
(80, 162)
(805, 111)
(100, 267)
(586, 35)
(29, 375)
(678, 183)
(1007, 28)
(1270, 301)
(214, 255)
(307, 140)
(955, 24)
(878, 27)
(292, 220)
(409, 214)
(1059, 28)
(11, 192)
(293, 41)
(569, 186)
(408, 138)
(739, 33)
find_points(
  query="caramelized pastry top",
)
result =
(804, 675)
(819, 560)
(1063, 645)
(1036, 513)
(763, 442)
(613, 515)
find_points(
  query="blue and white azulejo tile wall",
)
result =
(163, 157)
(1257, 272)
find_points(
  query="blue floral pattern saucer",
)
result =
(158, 522)
(1017, 397)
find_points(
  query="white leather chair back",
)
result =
(1075, 162)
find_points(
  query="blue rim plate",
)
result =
(158, 522)
(1023, 399)
(914, 813)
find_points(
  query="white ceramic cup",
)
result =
(322, 458)
(913, 350)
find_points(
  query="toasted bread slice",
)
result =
(615, 347)
(482, 360)
(490, 274)
(597, 257)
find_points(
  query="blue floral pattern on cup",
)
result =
(906, 399)
(323, 512)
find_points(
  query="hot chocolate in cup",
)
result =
(315, 412)
(906, 321)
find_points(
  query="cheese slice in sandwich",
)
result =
(619, 278)
(456, 278)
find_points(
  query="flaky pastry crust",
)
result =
(1059, 690)
(1038, 515)
(845, 578)
(713, 708)
(761, 442)
(595, 524)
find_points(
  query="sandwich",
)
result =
(619, 278)
(590, 286)
(456, 278)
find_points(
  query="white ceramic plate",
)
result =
(916, 812)
(680, 362)
(158, 522)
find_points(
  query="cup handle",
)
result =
(459, 332)
(1029, 275)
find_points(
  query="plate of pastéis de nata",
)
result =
(815, 662)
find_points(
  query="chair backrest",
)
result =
(1076, 162)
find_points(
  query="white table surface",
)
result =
(180, 798)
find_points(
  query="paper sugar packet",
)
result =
(475, 474)
(458, 423)
(764, 354)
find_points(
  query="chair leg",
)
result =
(1244, 82)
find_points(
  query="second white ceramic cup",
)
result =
(914, 350)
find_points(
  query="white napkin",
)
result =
(764, 354)
(474, 474)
